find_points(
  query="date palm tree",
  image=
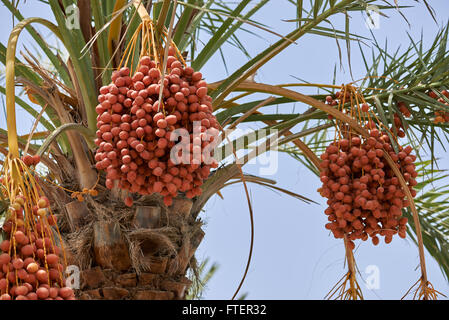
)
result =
(144, 252)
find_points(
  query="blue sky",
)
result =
(294, 256)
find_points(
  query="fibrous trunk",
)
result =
(140, 253)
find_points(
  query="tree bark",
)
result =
(138, 253)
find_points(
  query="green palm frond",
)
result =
(81, 63)
(432, 203)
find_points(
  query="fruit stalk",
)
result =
(351, 268)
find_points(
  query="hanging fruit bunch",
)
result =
(441, 116)
(398, 124)
(404, 109)
(401, 105)
(140, 115)
(365, 196)
(32, 263)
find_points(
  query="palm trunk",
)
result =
(138, 253)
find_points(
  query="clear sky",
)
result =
(294, 256)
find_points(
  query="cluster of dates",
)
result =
(147, 147)
(365, 198)
(30, 266)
